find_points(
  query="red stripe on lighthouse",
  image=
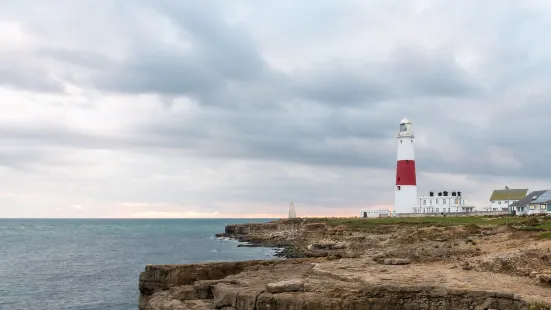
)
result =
(405, 172)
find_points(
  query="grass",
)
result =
(430, 221)
(539, 305)
(546, 225)
(545, 235)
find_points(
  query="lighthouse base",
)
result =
(405, 198)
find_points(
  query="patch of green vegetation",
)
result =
(530, 228)
(545, 225)
(545, 235)
(539, 305)
(539, 223)
(294, 220)
(473, 221)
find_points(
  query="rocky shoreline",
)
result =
(390, 266)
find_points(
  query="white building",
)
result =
(405, 191)
(443, 202)
(374, 213)
(501, 199)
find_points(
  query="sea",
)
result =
(90, 264)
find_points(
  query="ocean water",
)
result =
(95, 263)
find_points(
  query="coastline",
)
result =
(241, 232)
(365, 265)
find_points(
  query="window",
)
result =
(437, 209)
(436, 201)
(430, 202)
(531, 207)
(444, 201)
(499, 202)
(398, 187)
(424, 202)
(403, 128)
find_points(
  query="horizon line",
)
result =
(129, 218)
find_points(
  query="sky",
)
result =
(134, 108)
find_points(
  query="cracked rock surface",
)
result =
(385, 267)
(344, 284)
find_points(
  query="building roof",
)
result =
(545, 197)
(509, 194)
(528, 199)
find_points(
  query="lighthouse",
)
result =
(405, 197)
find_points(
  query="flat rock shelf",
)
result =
(367, 265)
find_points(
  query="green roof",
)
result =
(509, 194)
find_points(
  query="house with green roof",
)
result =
(501, 199)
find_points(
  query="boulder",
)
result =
(545, 278)
(396, 261)
(285, 286)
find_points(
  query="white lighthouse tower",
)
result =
(405, 197)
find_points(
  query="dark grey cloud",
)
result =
(408, 73)
(472, 76)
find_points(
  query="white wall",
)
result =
(374, 213)
(499, 204)
(474, 213)
(430, 201)
(405, 198)
(446, 204)
(405, 148)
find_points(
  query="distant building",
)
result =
(292, 211)
(536, 202)
(443, 202)
(374, 213)
(501, 199)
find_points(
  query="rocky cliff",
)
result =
(344, 284)
(380, 267)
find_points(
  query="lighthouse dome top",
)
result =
(406, 129)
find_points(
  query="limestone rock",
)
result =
(396, 261)
(498, 278)
(186, 292)
(285, 286)
(162, 301)
(545, 278)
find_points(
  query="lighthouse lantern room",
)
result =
(405, 198)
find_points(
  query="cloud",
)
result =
(137, 109)
(77, 207)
